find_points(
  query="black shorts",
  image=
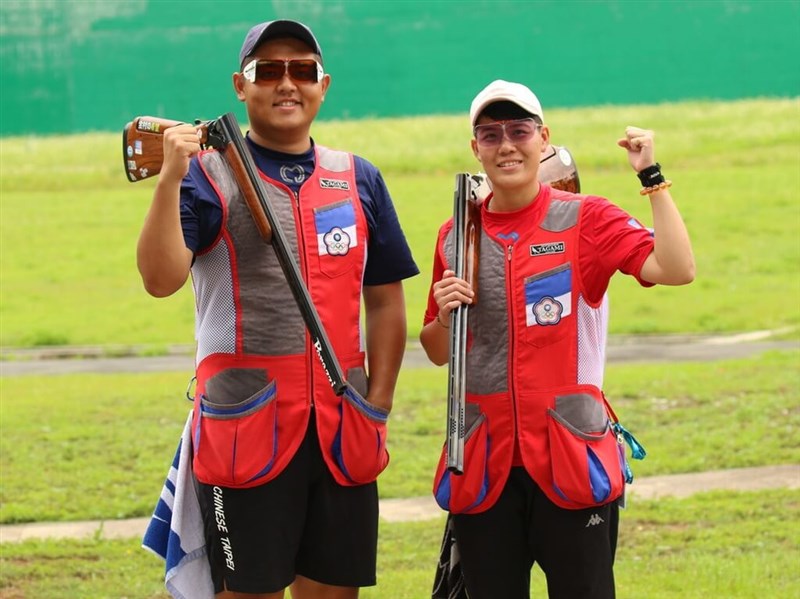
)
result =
(574, 548)
(300, 523)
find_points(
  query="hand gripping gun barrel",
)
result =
(557, 169)
(143, 153)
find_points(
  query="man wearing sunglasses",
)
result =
(543, 469)
(285, 469)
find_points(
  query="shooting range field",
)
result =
(98, 445)
(71, 219)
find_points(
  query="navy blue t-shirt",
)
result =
(388, 255)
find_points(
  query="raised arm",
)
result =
(671, 262)
(161, 254)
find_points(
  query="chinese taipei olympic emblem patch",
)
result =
(337, 242)
(548, 299)
(547, 311)
(336, 229)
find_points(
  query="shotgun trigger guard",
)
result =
(216, 137)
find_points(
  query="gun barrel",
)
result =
(465, 237)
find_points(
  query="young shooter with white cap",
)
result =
(285, 469)
(543, 472)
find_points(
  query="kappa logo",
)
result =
(334, 184)
(542, 249)
(594, 520)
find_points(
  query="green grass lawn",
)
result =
(713, 545)
(70, 219)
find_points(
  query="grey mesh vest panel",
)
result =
(271, 323)
(333, 160)
(561, 215)
(487, 364)
(215, 315)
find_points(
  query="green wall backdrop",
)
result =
(79, 65)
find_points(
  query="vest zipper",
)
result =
(301, 244)
(511, 340)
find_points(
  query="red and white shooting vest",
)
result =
(257, 371)
(534, 369)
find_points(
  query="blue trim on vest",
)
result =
(261, 399)
(368, 409)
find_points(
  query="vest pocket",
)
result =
(337, 237)
(359, 445)
(235, 443)
(460, 493)
(587, 462)
(548, 302)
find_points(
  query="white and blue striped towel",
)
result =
(175, 531)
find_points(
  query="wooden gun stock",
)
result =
(558, 170)
(472, 244)
(259, 214)
(143, 149)
(143, 145)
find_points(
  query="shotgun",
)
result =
(557, 169)
(466, 240)
(142, 146)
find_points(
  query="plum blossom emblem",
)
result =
(548, 310)
(337, 242)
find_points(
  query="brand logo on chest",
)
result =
(542, 249)
(334, 184)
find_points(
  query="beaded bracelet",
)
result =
(646, 191)
(439, 320)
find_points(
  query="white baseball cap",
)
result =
(498, 91)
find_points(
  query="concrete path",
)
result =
(425, 508)
(634, 348)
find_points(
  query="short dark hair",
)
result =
(506, 111)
